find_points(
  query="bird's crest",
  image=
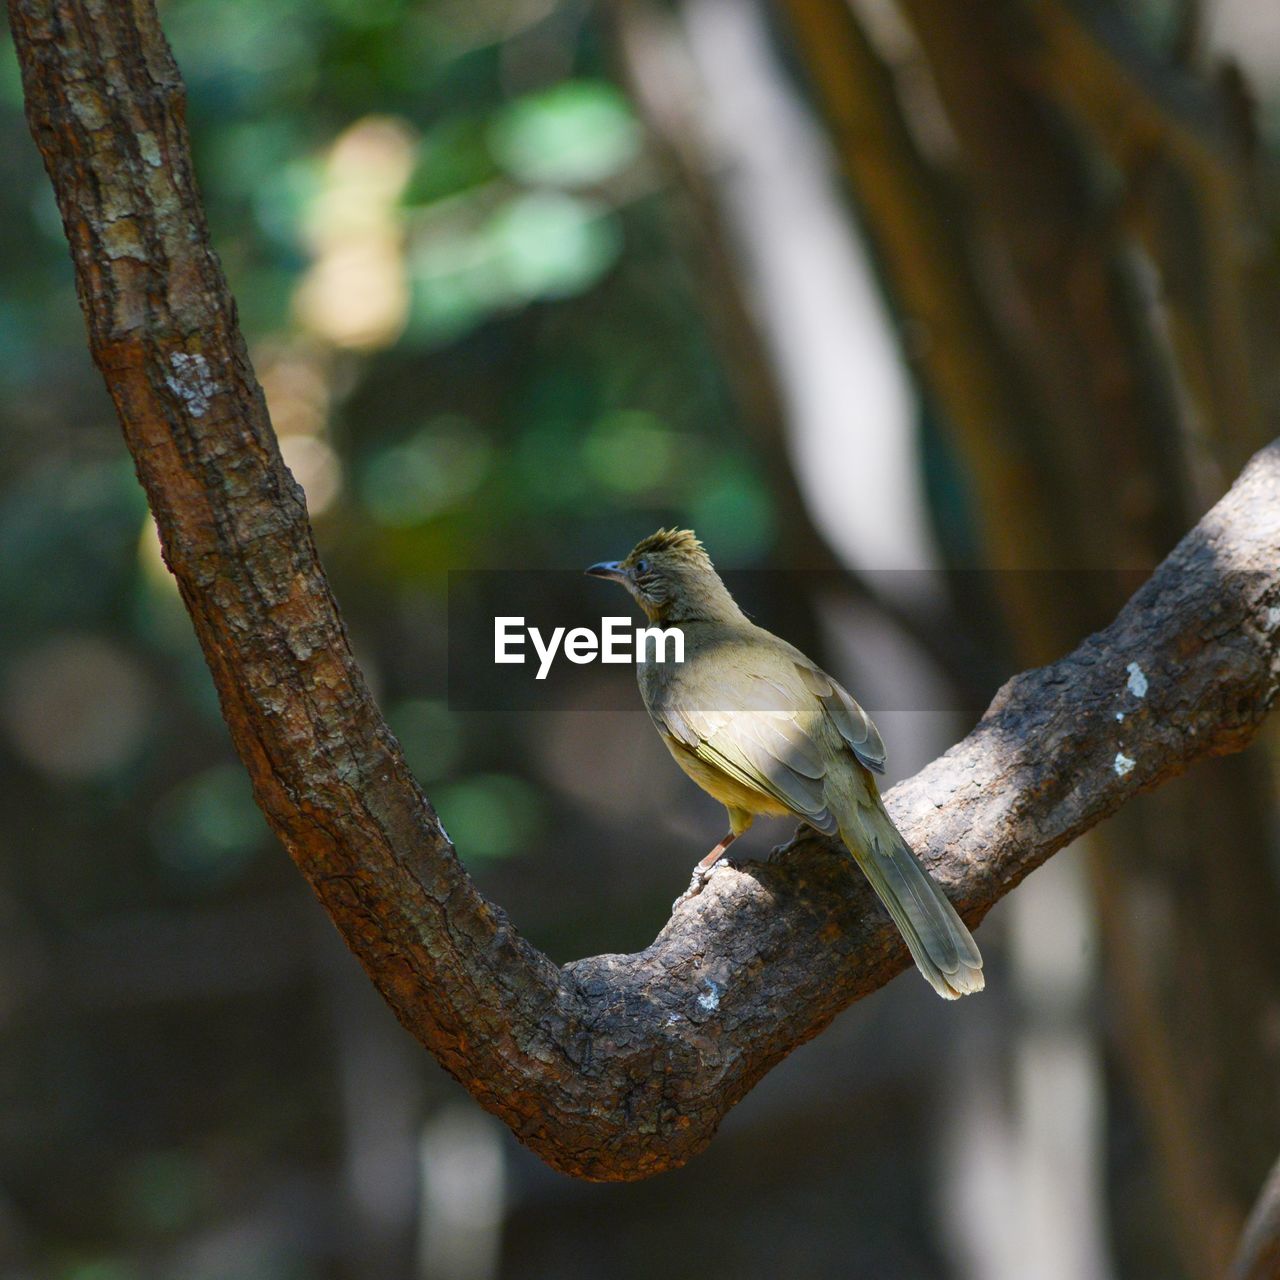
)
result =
(678, 544)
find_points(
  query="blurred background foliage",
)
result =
(524, 279)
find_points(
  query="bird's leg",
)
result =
(702, 871)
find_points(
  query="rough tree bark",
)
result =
(612, 1067)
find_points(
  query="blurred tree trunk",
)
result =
(1075, 264)
(658, 70)
(1259, 1254)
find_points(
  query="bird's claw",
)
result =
(696, 884)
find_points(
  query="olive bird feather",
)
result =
(764, 730)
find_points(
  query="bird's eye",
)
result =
(642, 566)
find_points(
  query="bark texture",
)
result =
(613, 1067)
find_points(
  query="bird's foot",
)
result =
(697, 882)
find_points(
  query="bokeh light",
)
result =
(78, 707)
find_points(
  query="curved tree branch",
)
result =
(613, 1067)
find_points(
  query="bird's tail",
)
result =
(943, 949)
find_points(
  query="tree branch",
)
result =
(613, 1067)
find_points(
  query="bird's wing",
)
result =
(762, 741)
(853, 724)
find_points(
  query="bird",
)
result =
(764, 730)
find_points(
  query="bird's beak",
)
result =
(608, 569)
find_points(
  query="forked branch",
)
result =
(613, 1067)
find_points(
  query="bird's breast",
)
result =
(720, 786)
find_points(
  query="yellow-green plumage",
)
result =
(761, 728)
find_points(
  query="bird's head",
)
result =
(672, 578)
